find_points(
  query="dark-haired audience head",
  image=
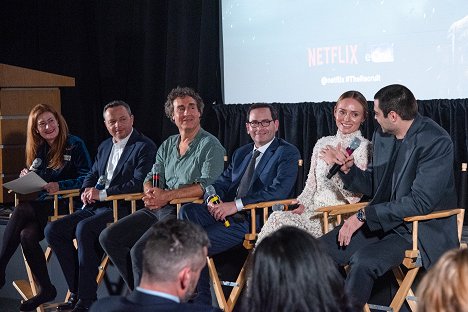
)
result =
(350, 111)
(291, 271)
(445, 287)
(118, 119)
(262, 123)
(173, 258)
(394, 106)
(46, 124)
(184, 107)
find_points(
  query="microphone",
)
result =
(35, 164)
(100, 185)
(156, 177)
(281, 207)
(214, 198)
(349, 150)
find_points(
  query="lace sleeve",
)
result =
(307, 196)
(361, 158)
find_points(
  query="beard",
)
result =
(190, 291)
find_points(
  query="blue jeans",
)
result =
(221, 238)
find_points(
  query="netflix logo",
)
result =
(343, 54)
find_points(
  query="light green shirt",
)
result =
(202, 163)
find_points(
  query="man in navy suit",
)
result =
(124, 160)
(174, 255)
(411, 174)
(273, 164)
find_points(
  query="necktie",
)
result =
(247, 177)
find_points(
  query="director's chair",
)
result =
(28, 288)
(412, 261)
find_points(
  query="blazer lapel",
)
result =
(128, 150)
(265, 158)
(408, 146)
(105, 153)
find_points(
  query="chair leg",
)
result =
(399, 276)
(102, 269)
(227, 305)
(405, 288)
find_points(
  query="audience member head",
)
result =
(45, 124)
(118, 119)
(350, 111)
(173, 258)
(445, 286)
(262, 123)
(184, 107)
(292, 272)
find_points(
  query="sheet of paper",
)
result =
(28, 183)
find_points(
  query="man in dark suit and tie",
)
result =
(411, 174)
(123, 160)
(174, 255)
(264, 170)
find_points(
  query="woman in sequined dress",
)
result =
(350, 112)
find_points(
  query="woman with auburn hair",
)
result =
(445, 286)
(63, 161)
(350, 112)
(291, 271)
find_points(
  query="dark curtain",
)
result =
(302, 124)
(136, 51)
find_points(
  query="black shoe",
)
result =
(83, 305)
(45, 295)
(70, 304)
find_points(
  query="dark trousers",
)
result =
(125, 240)
(369, 255)
(221, 238)
(80, 267)
(26, 226)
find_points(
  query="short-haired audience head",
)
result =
(445, 287)
(291, 271)
(182, 92)
(262, 123)
(175, 252)
(118, 119)
(350, 111)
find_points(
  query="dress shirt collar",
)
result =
(159, 294)
(263, 148)
(123, 142)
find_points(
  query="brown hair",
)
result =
(356, 95)
(445, 286)
(34, 139)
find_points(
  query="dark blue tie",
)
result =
(247, 177)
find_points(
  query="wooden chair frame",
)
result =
(412, 260)
(28, 288)
(227, 304)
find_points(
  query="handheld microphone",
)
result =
(214, 198)
(100, 185)
(35, 164)
(155, 171)
(349, 150)
(281, 207)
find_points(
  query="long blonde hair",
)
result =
(445, 286)
(34, 139)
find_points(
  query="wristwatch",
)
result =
(361, 215)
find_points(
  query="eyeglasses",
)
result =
(44, 124)
(255, 124)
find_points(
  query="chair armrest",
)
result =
(134, 196)
(434, 215)
(342, 209)
(178, 201)
(268, 204)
